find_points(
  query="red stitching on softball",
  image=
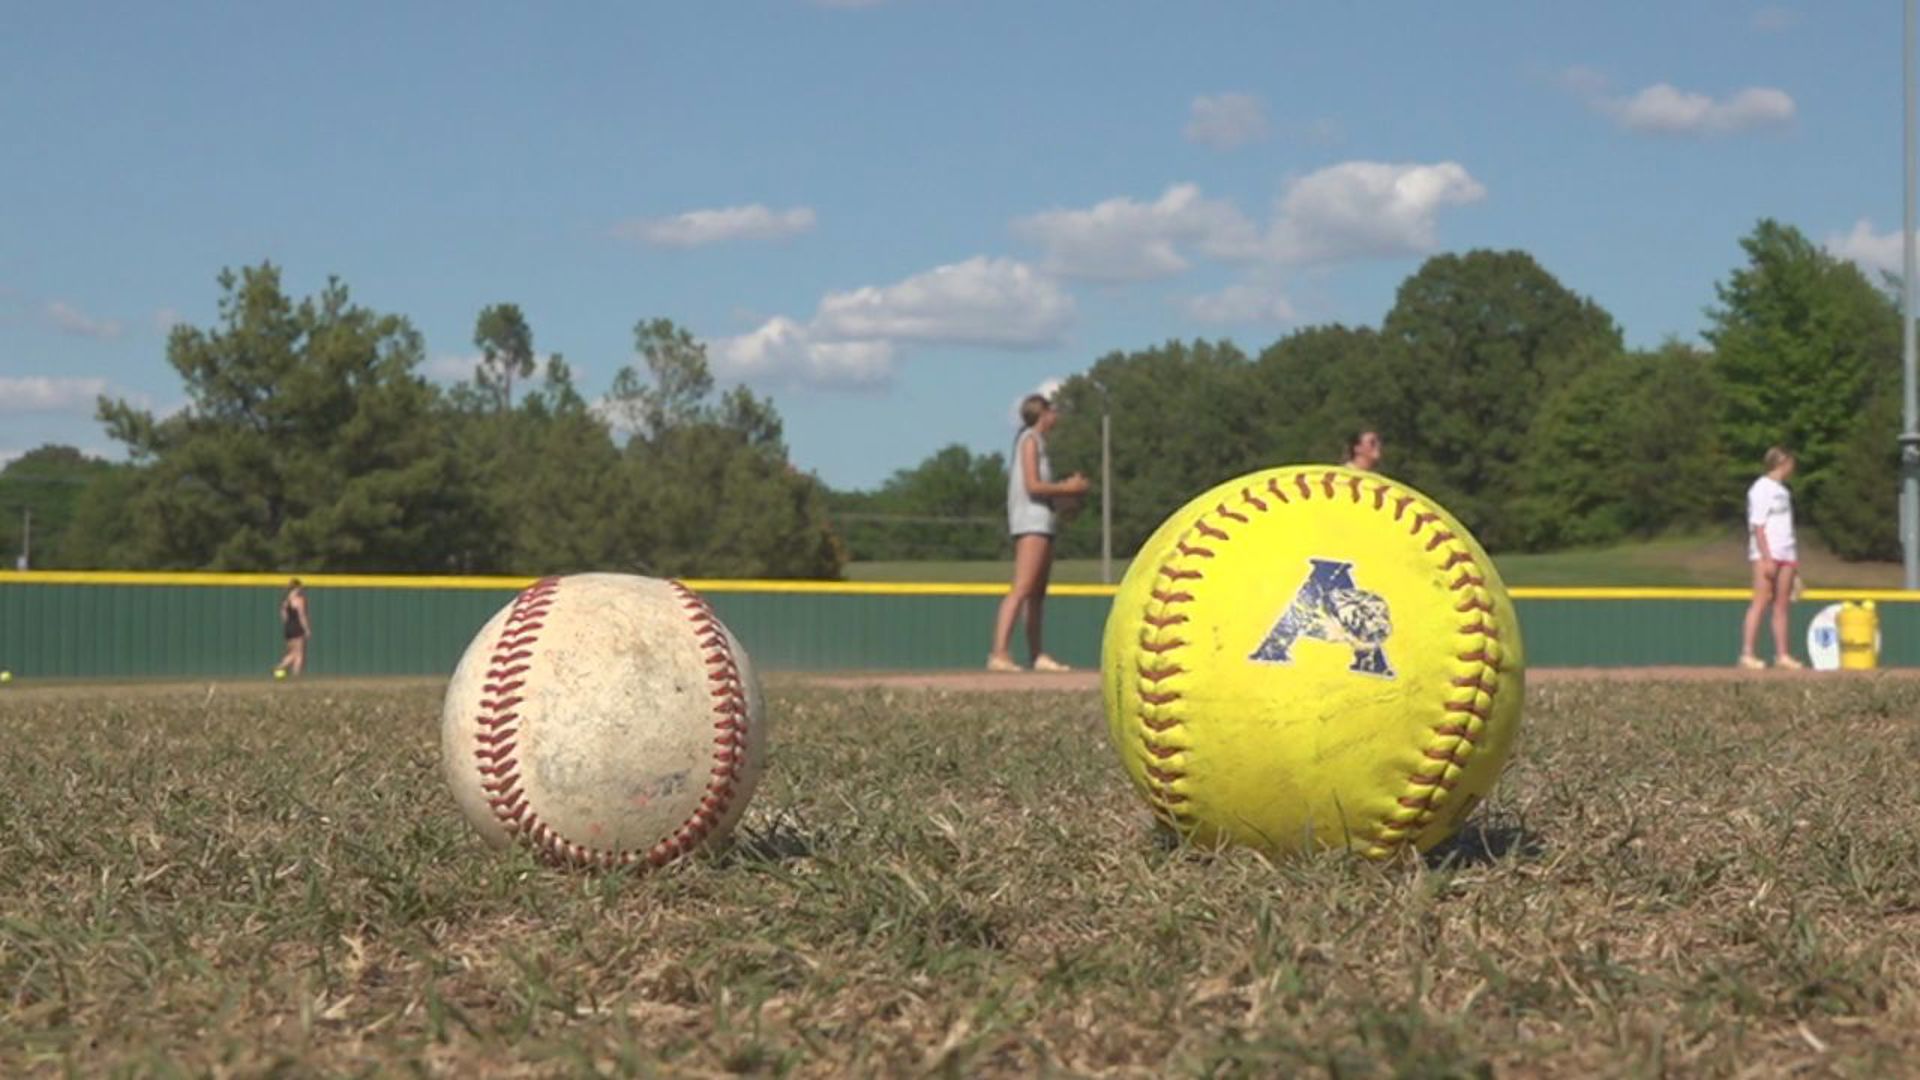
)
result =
(1420, 521)
(1207, 530)
(1194, 552)
(1466, 581)
(1158, 647)
(1171, 598)
(1456, 558)
(1172, 574)
(1273, 488)
(1475, 682)
(1474, 603)
(1161, 622)
(1160, 725)
(1300, 481)
(1253, 500)
(1481, 712)
(1158, 698)
(1327, 482)
(1231, 515)
(1400, 506)
(1439, 538)
(1158, 675)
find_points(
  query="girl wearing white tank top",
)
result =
(1031, 492)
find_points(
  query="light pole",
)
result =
(1106, 484)
(1910, 422)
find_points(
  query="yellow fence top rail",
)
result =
(830, 588)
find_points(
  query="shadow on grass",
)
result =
(781, 839)
(1480, 843)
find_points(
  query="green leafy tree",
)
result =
(706, 485)
(1628, 449)
(1182, 421)
(1803, 343)
(1859, 504)
(98, 538)
(46, 482)
(308, 442)
(1316, 387)
(1477, 343)
(952, 505)
(506, 351)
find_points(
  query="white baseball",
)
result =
(604, 719)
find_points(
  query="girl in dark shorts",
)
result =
(295, 627)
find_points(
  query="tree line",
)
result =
(1505, 396)
(311, 442)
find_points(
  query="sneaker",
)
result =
(1752, 663)
(1043, 662)
(1789, 663)
(1000, 663)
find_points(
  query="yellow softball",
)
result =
(1310, 657)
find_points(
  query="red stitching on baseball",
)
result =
(497, 741)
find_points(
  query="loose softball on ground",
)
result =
(1310, 657)
(604, 720)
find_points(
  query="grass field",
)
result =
(1674, 879)
(1699, 562)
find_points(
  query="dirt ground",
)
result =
(1089, 681)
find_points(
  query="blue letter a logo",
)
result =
(1329, 607)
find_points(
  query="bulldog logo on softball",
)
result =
(1329, 607)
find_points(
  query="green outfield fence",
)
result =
(125, 625)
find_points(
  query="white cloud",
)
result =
(49, 394)
(785, 350)
(1124, 240)
(1774, 19)
(1000, 302)
(1872, 250)
(451, 368)
(1664, 109)
(699, 228)
(855, 337)
(1048, 388)
(1244, 303)
(1225, 121)
(1365, 208)
(72, 320)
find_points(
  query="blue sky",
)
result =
(897, 216)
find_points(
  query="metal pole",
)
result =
(1106, 491)
(1910, 423)
(26, 539)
